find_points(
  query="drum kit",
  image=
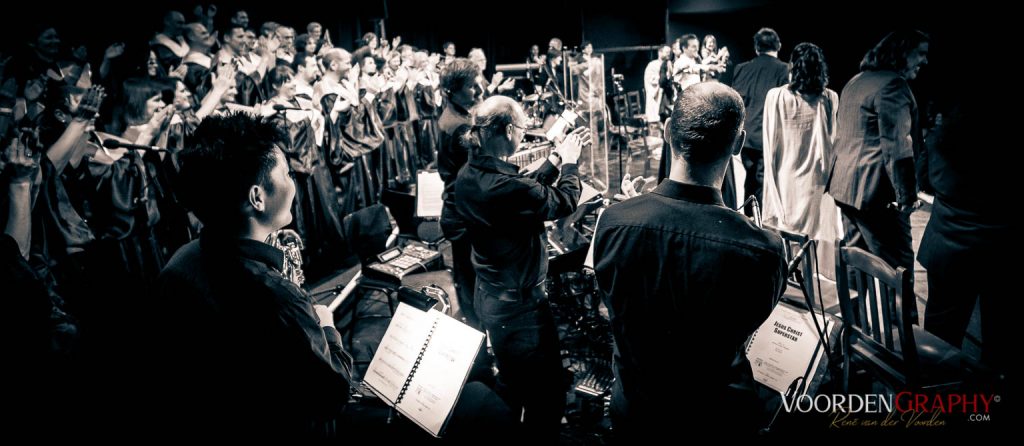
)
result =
(535, 106)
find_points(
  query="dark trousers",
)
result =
(955, 283)
(882, 232)
(753, 163)
(465, 280)
(525, 342)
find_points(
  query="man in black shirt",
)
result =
(505, 214)
(685, 277)
(458, 81)
(244, 351)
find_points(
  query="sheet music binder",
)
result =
(787, 348)
(422, 364)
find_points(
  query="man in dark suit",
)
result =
(968, 228)
(752, 80)
(873, 177)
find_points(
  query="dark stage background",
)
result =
(505, 30)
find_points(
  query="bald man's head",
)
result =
(498, 124)
(706, 121)
(337, 59)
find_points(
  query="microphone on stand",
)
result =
(115, 144)
(282, 107)
(791, 267)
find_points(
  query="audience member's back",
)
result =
(695, 287)
(230, 363)
(686, 279)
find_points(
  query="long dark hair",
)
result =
(810, 72)
(891, 52)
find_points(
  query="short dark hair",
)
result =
(300, 60)
(278, 76)
(891, 52)
(809, 70)
(766, 40)
(686, 38)
(268, 28)
(457, 74)
(231, 29)
(705, 121)
(367, 38)
(302, 39)
(136, 91)
(224, 157)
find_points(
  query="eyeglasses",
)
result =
(520, 127)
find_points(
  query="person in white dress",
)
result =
(799, 131)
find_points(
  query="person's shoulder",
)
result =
(831, 95)
(268, 281)
(879, 77)
(451, 122)
(284, 290)
(186, 257)
(635, 210)
(772, 240)
(743, 231)
(781, 90)
(875, 84)
(768, 241)
(894, 81)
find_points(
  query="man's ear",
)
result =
(740, 139)
(257, 198)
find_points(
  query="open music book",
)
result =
(422, 364)
(787, 347)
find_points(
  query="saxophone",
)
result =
(289, 242)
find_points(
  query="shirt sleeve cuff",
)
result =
(333, 338)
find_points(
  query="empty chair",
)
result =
(882, 332)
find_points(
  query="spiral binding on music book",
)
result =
(416, 365)
(750, 343)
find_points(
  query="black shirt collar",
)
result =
(458, 109)
(487, 162)
(244, 248)
(689, 192)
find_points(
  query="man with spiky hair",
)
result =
(248, 352)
